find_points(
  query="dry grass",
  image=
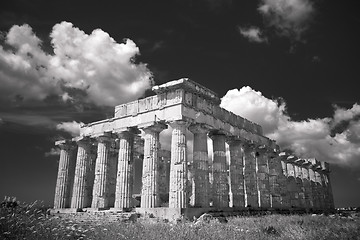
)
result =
(31, 222)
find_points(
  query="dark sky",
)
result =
(305, 54)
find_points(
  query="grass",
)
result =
(31, 221)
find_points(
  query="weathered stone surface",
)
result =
(300, 186)
(164, 176)
(65, 176)
(200, 167)
(178, 194)
(307, 187)
(285, 194)
(319, 189)
(112, 172)
(220, 181)
(262, 177)
(256, 173)
(90, 177)
(150, 179)
(100, 190)
(80, 199)
(177, 100)
(276, 179)
(250, 183)
(125, 171)
(237, 193)
(315, 199)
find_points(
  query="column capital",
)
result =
(131, 131)
(156, 127)
(261, 149)
(82, 141)
(235, 140)
(215, 133)
(199, 128)
(65, 144)
(179, 123)
(105, 137)
(249, 145)
(286, 157)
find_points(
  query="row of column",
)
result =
(255, 177)
(308, 183)
(83, 182)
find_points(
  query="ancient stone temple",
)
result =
(232, 165)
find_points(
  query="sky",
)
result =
(290, 65)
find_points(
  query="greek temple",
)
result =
(232, 166)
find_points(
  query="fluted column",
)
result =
(262, 177)
(65, 177)
(100, 191)
(178, 193)
(319, 189)
(285, 194)
(250, 185)
(220, 182)
(79, 196)
(164, 175)
(307, 186)
(292, 186)
(125, 170)
(276, 179)
(330, 193)
(300, 186)
(315, 201)
(237, 194)
(329, 200)
(200, 166)
(90, 177)
(150, 197)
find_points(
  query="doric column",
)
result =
(292, 186)
(164, 175)
(79, 196)
(276, 179)
(285, 194)
(236, 185)
(100, 191)
(220, 182)
(178, 193)
(329, 201)
(307, 186)
(262, 177)
(125, 170)
(200, 166)
(300, 186)
(150, 177)
(250, 185)
(314, 199)
(330, 193)
(90, 177)
(319, 189)
(65, 177)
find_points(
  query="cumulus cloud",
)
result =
(70, 127)
(254, 106)
(93, 63)
(342, 114)
(253, 34)
(290, 17)
(308, 138)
